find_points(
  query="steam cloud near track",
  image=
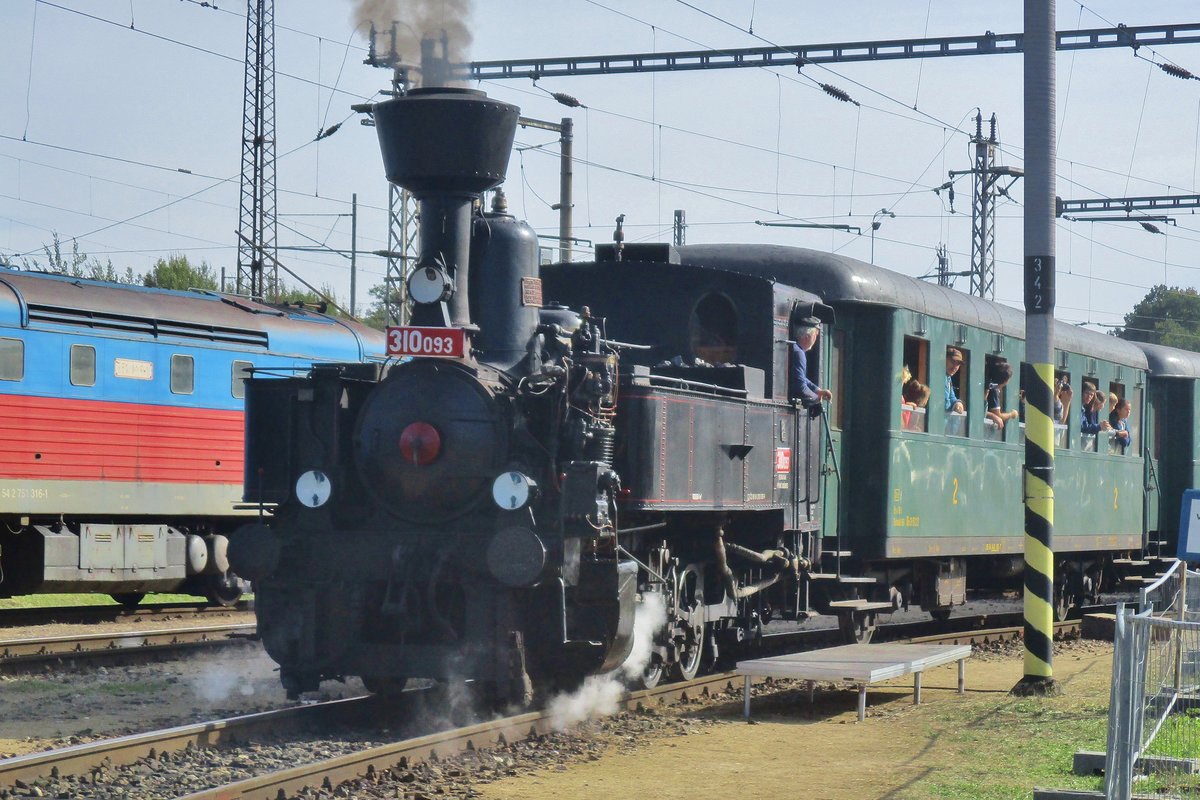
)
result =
(599, 694)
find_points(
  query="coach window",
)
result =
(997, 376)
(1119, 416)
(241, 371)
(12, 359)
(837, 377)
(183, 375)
(83, 365)
(1134, 421)
(956, 390)
(713, 329)
(1064, 397)
(914, 385)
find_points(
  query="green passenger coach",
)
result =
(927, 498)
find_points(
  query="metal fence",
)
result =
(1154, 708)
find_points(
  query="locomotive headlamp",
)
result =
(512, 490)
(429, 284)
(313, 488)
(420, 444)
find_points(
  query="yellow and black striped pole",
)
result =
(1039, 349)
(1039, 527)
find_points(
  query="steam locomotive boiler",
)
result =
(496, 506)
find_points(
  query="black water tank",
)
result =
(445, 140)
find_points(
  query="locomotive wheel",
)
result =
(224, 590)
(384, 685)
(652, 675)
(688, 630)
(129, 599)
(940, 614)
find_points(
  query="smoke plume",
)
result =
(419, 19)
(599, 695)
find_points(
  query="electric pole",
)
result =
(985, 175)
(256, 226)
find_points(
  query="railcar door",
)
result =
(829, 465)
(1151, 438)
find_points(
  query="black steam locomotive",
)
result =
(496, 507)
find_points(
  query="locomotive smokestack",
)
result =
(447, 146)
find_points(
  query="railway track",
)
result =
(79, 615)
(80, 759)
(18, 653)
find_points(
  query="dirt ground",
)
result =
(820, 752)
(61, 706)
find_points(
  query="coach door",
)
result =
(831, 492)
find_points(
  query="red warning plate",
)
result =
(426, 342)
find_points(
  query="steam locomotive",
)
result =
(553, 448)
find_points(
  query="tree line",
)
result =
(176, 271)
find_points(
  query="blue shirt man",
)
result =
(954, 361)
(800, 387)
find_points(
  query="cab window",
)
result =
(12, 359)
(183, 375)
(713, 329)
(241, 371)
(83, 365)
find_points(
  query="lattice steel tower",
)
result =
(983, 213)
(257, 222)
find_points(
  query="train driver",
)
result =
(800, 387)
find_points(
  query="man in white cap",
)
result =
(805, 332)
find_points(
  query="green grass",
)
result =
(55, 600)
(998, 751)
(1179, 737)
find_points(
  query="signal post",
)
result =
(1039, 349)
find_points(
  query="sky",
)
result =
(121, 130)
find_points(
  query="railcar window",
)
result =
(914, 385)
(83, 365)
(1119, 413)
(1061, 412)
(241, 371)
(957, 398)
(1064, 394)
(12, 359)
(183, 375)
(837, 377)
(1135, 426)
(713, 329)
(997, 374)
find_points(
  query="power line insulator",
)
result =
(838, 94)
(1176, 71)
(566, 99)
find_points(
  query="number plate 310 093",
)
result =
(426, 342)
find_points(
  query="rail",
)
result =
(80, 759)
(21, 651)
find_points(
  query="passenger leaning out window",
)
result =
(1000, 374)
(954, 362)
(1118, 420)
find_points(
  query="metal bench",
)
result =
(858, 664)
